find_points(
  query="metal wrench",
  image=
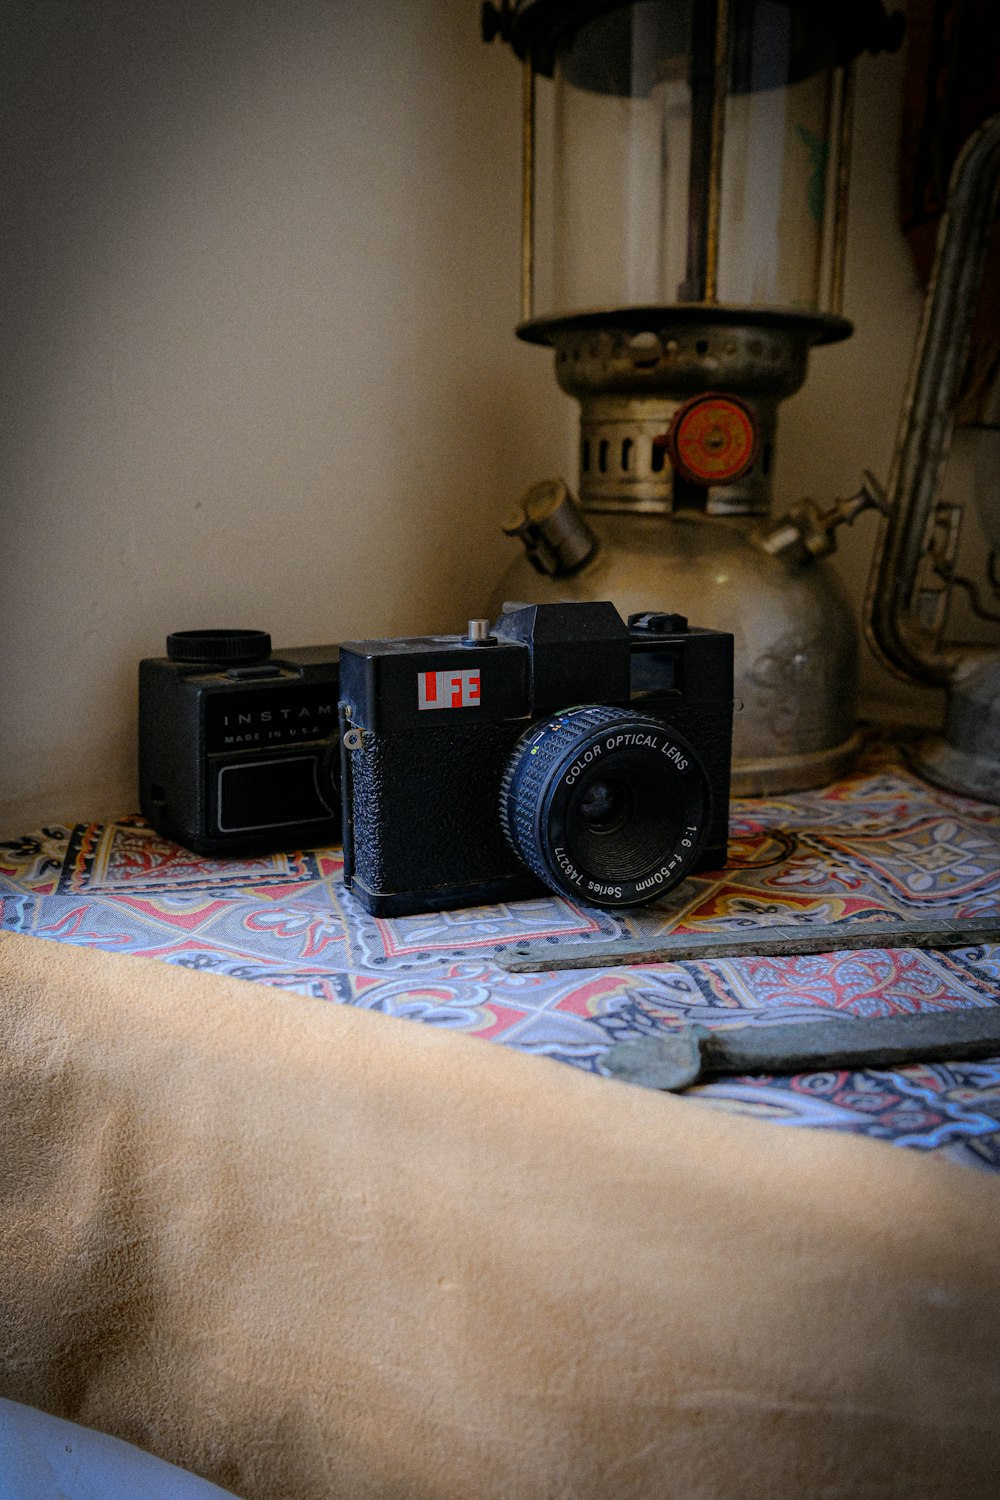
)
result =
(691, 1053)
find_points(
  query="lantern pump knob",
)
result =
(805, 532)
(712, 439)
(552, 529)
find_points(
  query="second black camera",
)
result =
(238, 745)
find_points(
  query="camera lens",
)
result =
(605, 805)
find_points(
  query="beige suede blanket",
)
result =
(312, 1251)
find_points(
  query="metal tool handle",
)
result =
(852, 1041)
(808, 937)
(687, 1054)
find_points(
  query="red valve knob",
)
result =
(712, 439)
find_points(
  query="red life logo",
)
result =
(448, 689)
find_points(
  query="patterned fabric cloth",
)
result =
(879, 843)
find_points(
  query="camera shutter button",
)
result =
(479, 634)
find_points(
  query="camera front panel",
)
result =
(273, 793)
(271, 763)
(428, 725)
(421, 820)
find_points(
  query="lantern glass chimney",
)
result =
(691, 156)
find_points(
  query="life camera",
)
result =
(560, 748)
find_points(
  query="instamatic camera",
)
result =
(238, 746)
(560, 748)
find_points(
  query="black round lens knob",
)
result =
(606, 805)
(218, 645)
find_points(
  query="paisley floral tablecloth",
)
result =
(879, 843)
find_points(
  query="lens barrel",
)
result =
(605, 805)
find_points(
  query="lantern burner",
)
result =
(670, 396)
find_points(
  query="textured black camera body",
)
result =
(238, 746)
(563, 749)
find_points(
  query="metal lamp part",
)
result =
(679, 391)
(910, 586)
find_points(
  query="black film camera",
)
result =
(562, 749)
(238, 746)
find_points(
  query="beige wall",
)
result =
(259, 367)
(260, 281)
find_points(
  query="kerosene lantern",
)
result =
(698, 190)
